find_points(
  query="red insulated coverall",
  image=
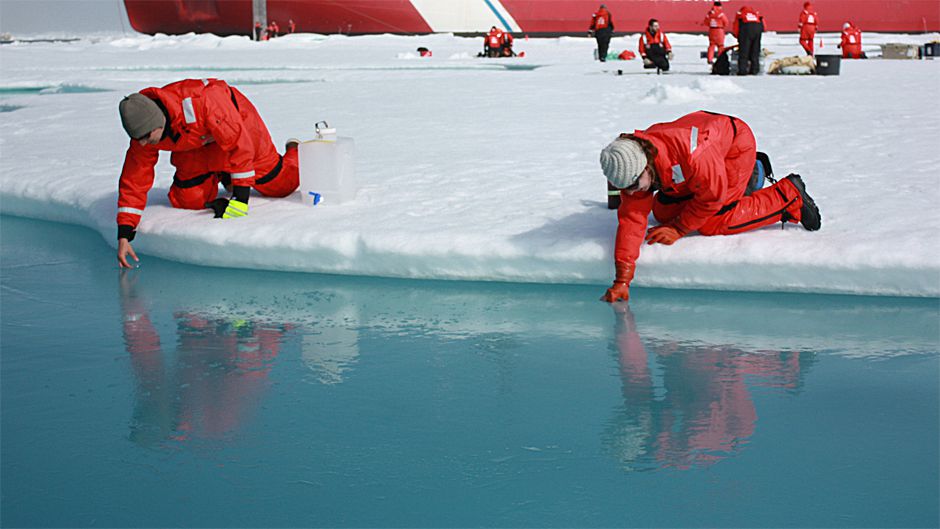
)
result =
(647, 40)
(851, 43)
(809, 20)
(211, 129)
(600, 20)
(704, 163)
(716, 22)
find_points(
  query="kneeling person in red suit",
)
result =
(694, 174)
(215, 135)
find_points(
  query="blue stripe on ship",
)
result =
(500, 17)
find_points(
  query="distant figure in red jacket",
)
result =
(717, 22)
(505, 46)
(747, 28)
(216, 136)
(291, 27)
(602, 29)
(492, 42)
(809, 20)
(695, 174)
(851, 42)
(654, 46)
(258, 30)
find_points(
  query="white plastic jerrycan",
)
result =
(327, 175)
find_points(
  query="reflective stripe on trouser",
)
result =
(193, 191)
(285, 182)
(762, 208)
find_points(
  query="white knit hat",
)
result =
(623, 161)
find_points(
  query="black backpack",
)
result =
(722, 65)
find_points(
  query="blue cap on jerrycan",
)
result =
(314, 197)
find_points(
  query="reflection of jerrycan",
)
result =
(326, 168)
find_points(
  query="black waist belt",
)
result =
(734, 125)
(272, 174)
(199, 180)
(192, 182)
(663, 198)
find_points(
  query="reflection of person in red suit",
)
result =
(809, 20)
(717, 22)
(700, 411)
(693, 174)
(217, 376)
(851, 42)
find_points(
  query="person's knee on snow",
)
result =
(193, 196)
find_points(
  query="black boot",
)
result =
(809, 213)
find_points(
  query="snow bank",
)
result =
(471, 170)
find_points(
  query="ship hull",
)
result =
(532, 17)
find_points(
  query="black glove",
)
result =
(218, 206)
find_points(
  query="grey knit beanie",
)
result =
(623, 161)
(140, 115)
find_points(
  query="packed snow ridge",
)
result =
(471, 172)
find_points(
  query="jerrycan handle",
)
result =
(324, 130)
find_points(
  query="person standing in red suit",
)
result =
(291, 26)
(602, 29)
(216, 136)
(809, 20)
(851, 42)
(747, 28)
(693, 174)
(717, 22)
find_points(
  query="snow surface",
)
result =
(487, 169)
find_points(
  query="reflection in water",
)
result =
(333, 350)
(688, 406)
(205, 388)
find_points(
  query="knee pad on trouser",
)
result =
(667, 208)
(187, 194)
(286, 181)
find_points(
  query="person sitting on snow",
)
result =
(492, 42)
(697, 173)
(216, 136)
(505, 49)
(851, 42)
(655, 48)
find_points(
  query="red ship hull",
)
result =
(533, 17)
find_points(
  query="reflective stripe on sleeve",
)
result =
(132, 211)
(189, 113)
(246, 174)
(693, 140)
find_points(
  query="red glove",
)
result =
(621, 286)
(663, 235)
